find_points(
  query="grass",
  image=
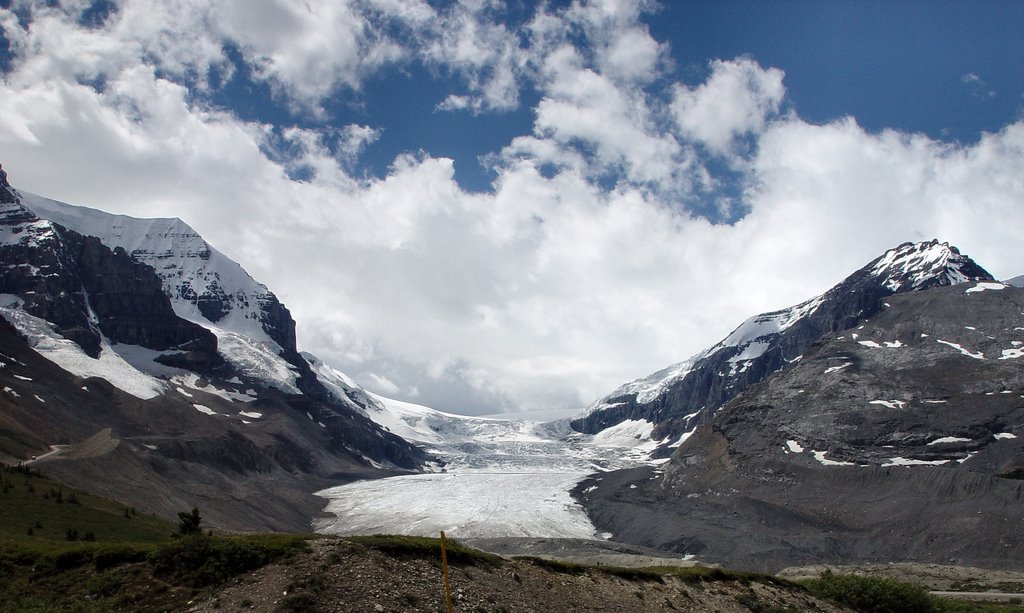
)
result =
(690, 574)
(61, 549)
(35, 510)
(75, 576)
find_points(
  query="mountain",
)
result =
(901, 439)
(139, 362)
(684, 396)
(1017, 281)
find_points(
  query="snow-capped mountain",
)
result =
(141, 333)
(255, 331)
(900, 439)
(682, 397)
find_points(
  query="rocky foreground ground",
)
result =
(337, 575)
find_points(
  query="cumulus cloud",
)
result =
(737, 99)
(555, 286)
(583, 106)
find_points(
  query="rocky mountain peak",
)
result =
(6, 193)
(912, 266)
(11, 210)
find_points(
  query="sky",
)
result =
(506, 206)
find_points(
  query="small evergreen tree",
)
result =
(188, 522)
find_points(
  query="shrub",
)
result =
(203, 560)
(871, 594)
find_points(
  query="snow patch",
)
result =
(795, 447)
(949, 439)
(1003, 436)
(820, 456)
(204, 409)
(892, 404)
(1012, 354)
(682, 438)
(833, 369)
(250, 414)
(254, 358)
(192, 381)
(984, 285)
(629, 433)
(43, 337)
(901, 461)
(976, 356)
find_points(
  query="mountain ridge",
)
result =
(683, 396)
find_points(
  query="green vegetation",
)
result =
(877, 595)
(690, 574)
(75, 576)
(872, 594)
(949, 605)
(35, 510)
(199, 560)
(70, 551)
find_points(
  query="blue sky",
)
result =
(495, 206)
(946, 69)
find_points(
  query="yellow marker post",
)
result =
(444, 567)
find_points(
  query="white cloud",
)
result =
(485, 53)
(547, 292)
(584, 106)
(737, 99)
(381, 385)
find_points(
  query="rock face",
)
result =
(900, 439)
(201, 283)
(90, 292)
(684, 396)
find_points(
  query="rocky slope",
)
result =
(684, 396)
(165, 375)
(899, 440)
